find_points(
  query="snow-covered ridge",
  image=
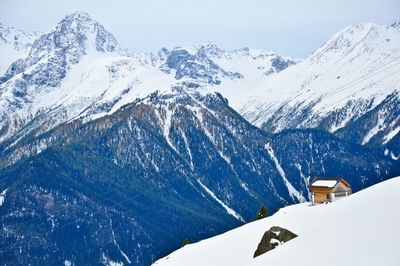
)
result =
(351, 74)
(345, 226)
(78, 70)
(33, 85)
(73, 37)
(14, 44)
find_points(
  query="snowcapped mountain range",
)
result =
(81, 116)
(78, 69)
(356, 72)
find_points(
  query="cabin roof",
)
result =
(324, 183)
(327, 182)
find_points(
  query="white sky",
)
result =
(289, 27)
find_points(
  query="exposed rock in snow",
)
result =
(272, 238)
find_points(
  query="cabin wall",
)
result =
(323, 194)
(340, 187)
(321, 197)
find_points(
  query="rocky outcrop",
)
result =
(272, 238)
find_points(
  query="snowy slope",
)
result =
(351, 74)
(14, 44)
(256, 66)
(362, 228)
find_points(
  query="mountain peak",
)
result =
(396, 24)
(357, 39)
(185, 49)
(209, 44)
(75, 36)
(76, 22)
(360, 25)
(210, 48)
(81, 26)
(79, 15)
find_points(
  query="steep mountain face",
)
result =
(14, 44)
(31, 84)
(129, 187)
(78, 69)
(351, 82)
(54, 52)
(195, 66)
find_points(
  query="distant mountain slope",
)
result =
(31, 85)
(79, 69)
(362, 228)
(354, 73)
(14, 44)
(167, 167)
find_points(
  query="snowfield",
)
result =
(361, 229)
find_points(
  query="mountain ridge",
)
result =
(14, 44)
(93, 70)
(192, 154)
(350, 75)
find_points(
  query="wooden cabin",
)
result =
(328, 189)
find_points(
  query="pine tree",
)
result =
(185, 242)
(262, 213)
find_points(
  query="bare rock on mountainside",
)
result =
(272, 238)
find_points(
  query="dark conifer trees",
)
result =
(262, 213)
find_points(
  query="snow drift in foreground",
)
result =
(361, 229)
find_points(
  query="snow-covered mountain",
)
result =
(78, 69)
(356, 72)
(362, 228)
(81, 117)
(132, 185)
(33, 84)
(14, 44)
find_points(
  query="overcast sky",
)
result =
(289, 27)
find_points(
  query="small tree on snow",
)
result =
(262, 213)
(185, 242)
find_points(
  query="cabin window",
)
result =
(328, 196)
